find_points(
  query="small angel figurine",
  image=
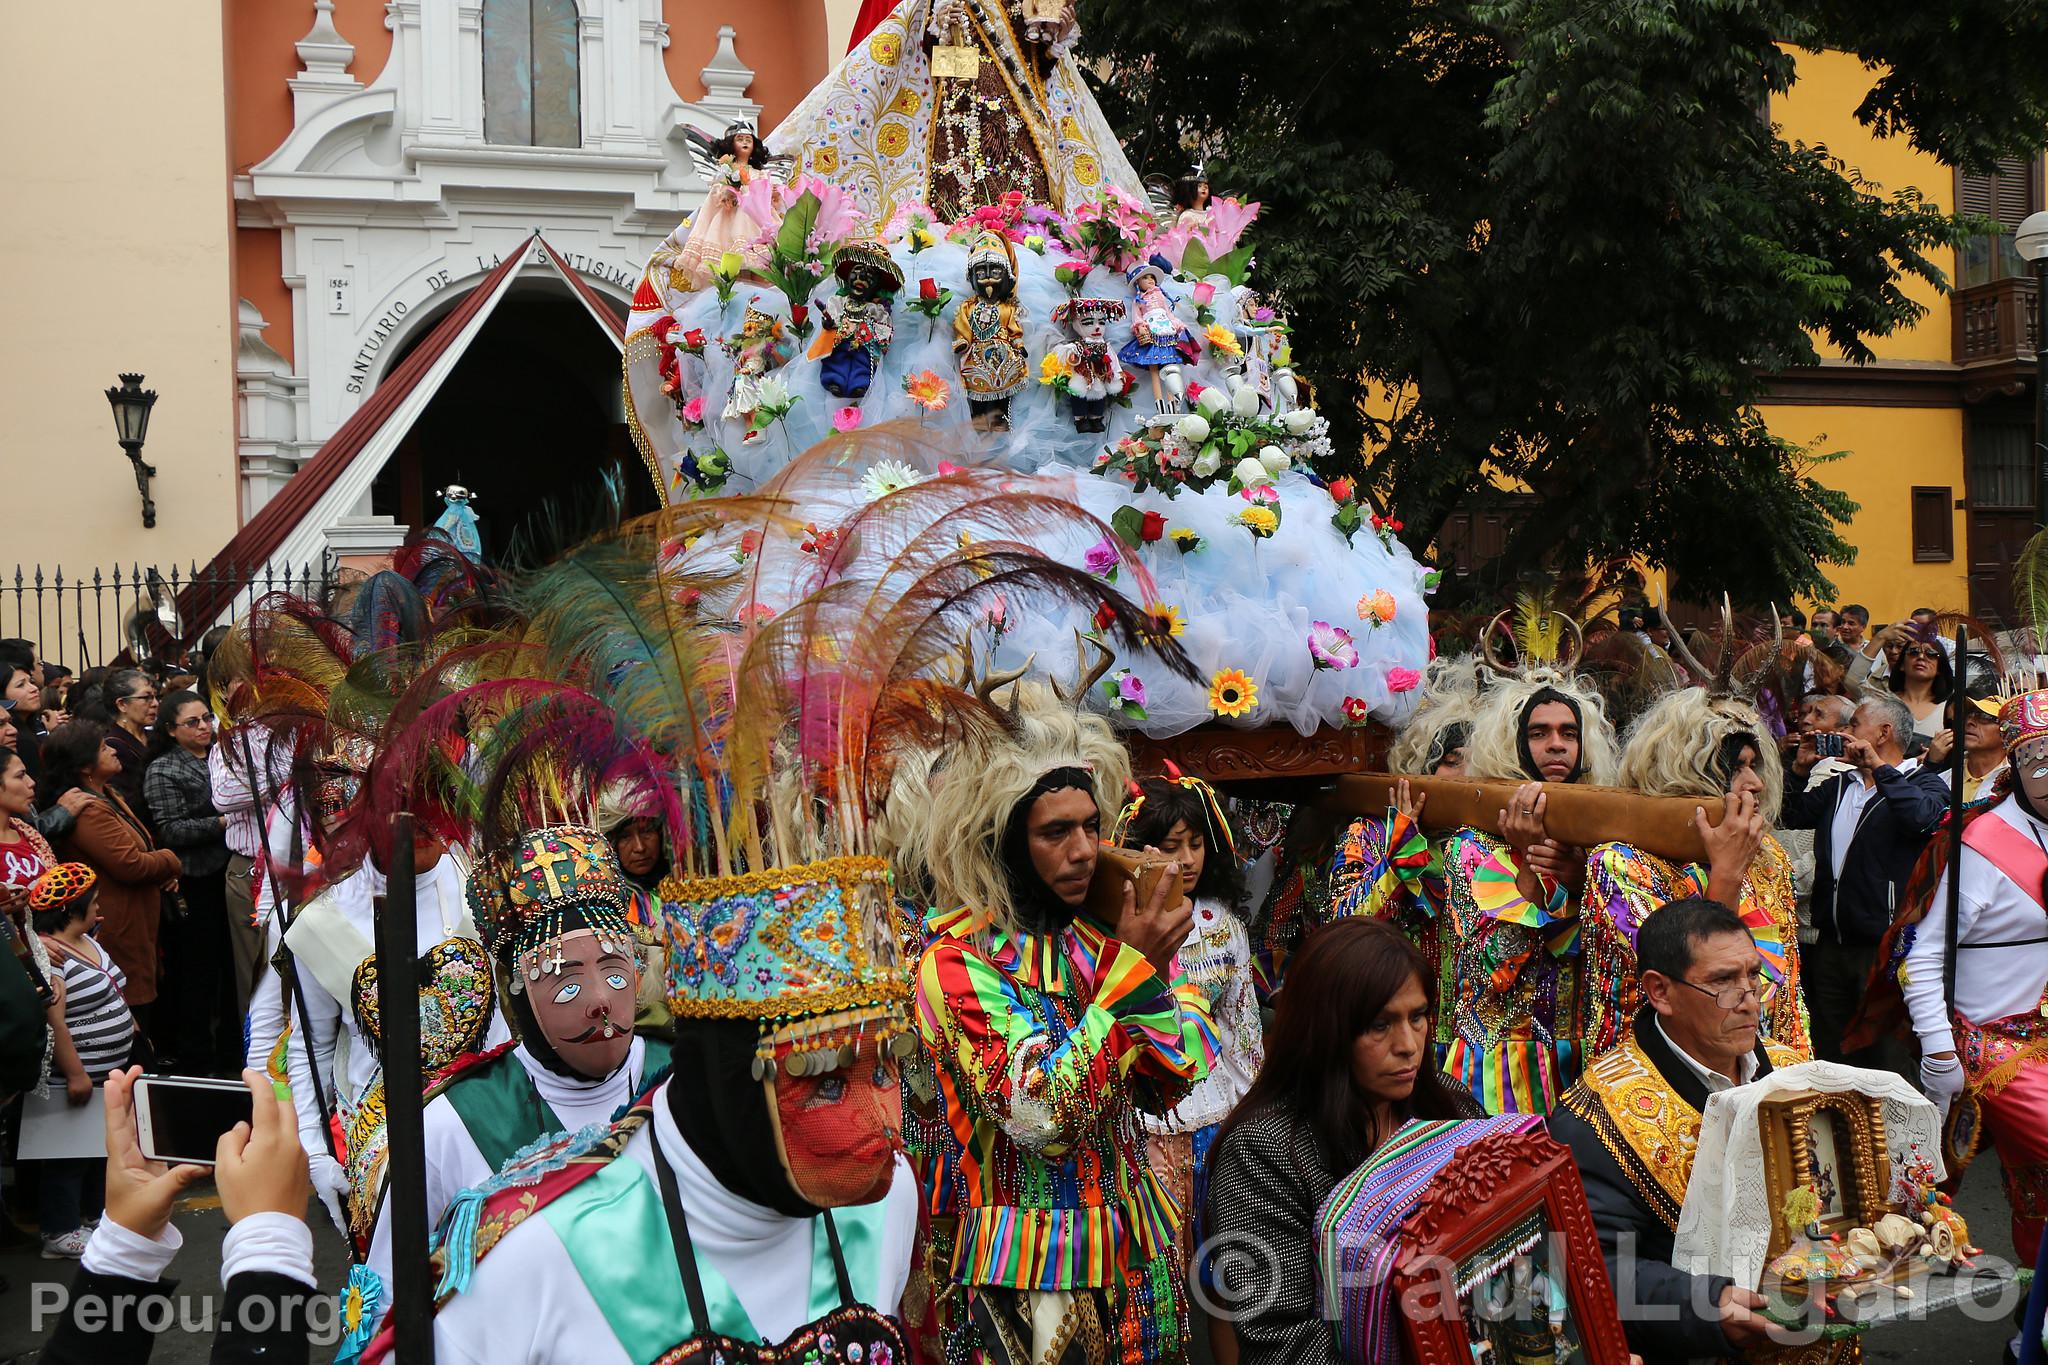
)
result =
(988, 333)
(761, 345)
(1191, 198)
(1090, 374)
(729, 163)
(1159, 340)
(857, 325)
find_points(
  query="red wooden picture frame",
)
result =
(1488, 1190)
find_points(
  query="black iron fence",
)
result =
(85, 617)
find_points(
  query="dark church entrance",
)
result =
(530, 421)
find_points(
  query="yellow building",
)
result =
(1939, 429)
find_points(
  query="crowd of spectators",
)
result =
(108, 773)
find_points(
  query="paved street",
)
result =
(1951, 1338)
(197, 1271)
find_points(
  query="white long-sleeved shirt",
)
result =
(329, 1025)
(1991, 983)
(528, 1304)
(454, 1163)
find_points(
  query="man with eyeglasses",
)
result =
(1633, 1120)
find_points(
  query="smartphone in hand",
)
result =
(180, 1119)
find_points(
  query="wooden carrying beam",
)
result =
(1573, 814)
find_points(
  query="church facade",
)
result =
(322, 181)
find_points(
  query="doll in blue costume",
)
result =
(1160, 341)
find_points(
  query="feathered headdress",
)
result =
(1543, 636)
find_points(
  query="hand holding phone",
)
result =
(261, 1167)
(181, 1119)
(1829, 745)
(140, 1192)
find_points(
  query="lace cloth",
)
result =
(1724, 1227)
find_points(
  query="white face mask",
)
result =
(2030, 769)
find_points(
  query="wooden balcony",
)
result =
(1995, 335)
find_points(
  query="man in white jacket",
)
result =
(1984, 1053)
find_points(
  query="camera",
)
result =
(1829, 746)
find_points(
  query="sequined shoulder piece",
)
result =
(1649, 1131)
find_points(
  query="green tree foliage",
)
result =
(1557, 242)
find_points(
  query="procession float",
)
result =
(944, 247)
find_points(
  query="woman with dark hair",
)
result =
(130, 699)
(1923, 678)
(1181, 818)
(22, 698)
(79, 768)
(205, 1036)
(1348, 1061)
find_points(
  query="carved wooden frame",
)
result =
(1786, 1127)
(1484, 1192)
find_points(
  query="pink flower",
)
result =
(1330, 646)
(759, 614)
(947, 467)
(1102, 557)
(1203, 294)
(846, 419)
(693, 411)
(1131, 688)
(1403, 679)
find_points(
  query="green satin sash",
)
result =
(616, 1233)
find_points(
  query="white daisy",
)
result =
(887, 476)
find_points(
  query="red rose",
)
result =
(1104, 616)
(694, 338)
(750, 541)
(1195, 392)
(1152, 527)
(1398, 526)
(1341, 489)
(798, 312)
(928, 288)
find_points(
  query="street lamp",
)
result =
(131, 403)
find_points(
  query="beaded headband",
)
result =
(61, 885)
(2024, 718)
(554, 881)
(1089, 309)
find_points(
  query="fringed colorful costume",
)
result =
(1387, 869)
(1046, 1043)
(1512, 1008)
(1625, 885)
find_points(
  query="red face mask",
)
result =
(586, 1009)
(839, 1132)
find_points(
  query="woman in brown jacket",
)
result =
(134, 873)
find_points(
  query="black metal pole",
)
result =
(405, 1163)
(1954, 909)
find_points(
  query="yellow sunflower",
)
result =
(1163, 622)
(1231, 693)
